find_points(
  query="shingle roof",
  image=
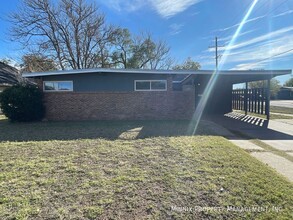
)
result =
(8, 75)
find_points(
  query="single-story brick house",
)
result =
(110, 94)
(285, 93)
(9, 76)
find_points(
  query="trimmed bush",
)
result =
(22, 103)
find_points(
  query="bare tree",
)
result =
(140, 52)
(123, 46)
(161, 58)
(75, 35)
(72, 32)
(36, 63)
(188, 64)
(147, 53)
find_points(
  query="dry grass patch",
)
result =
(136, 179)
(131, 170)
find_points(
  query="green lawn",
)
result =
(131, 170)
(284, 110)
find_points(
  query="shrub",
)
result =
(22, 103)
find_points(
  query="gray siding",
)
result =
(104, 82)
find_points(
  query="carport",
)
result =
(222, 98)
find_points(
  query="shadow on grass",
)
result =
(44, 131)
(129, 130)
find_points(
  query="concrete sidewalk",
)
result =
(278, 136)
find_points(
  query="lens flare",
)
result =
(211, 83)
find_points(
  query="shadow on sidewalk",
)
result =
(249, 125)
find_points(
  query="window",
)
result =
(58, 86)
(142, 85)
(150, 85)
(158, 85)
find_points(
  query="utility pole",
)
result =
(216, 51)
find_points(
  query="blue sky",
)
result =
(190, 26)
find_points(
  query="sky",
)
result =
(189, 27)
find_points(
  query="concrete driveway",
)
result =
(277, 135)
(282, 103)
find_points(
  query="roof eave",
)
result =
(170, 72)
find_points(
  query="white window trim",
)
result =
(44, 90)
(151, 90)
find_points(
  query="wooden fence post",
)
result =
(245, 98)
(268, 98)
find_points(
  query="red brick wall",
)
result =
(119, 105)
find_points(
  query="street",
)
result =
(282, 103)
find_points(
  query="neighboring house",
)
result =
(110, 94)
(285, 93)
(9, 76)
